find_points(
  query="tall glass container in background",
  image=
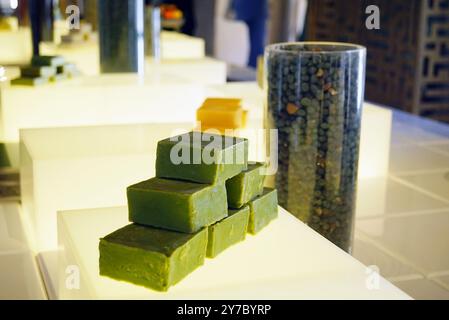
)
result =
(153, 32)
(121, 30)
(314, 97)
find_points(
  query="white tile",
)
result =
(388, 266)
(442, 147)
(413, 158)
(19, 277)
(421, 239)
(381, 196)
(12, 236)
(423, 289)
(436, 182)
(442, 279)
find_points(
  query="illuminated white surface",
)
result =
(15, 46)
(178, 51)
(98, 100)
(287, 260)
(82, 167)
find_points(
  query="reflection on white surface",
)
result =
(421, 239)
(385, 196)
(408, 159)
(423, 289)
(12, 236)
(437, 183)
(19, 277)
(263, 266)
(83, 167)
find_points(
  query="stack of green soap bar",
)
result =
(53, 61)
(176, 205)
(201, 157)
(36, 71)
(151, 257)
(44, 69)
(245, 186)
(228, 231)
(204, 198)
(263, 209)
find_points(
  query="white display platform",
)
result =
(15, 46)
(178, 51)
(83, 167)
(98, 100)
(286, 260)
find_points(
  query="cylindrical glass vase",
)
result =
(314, 97)
(121, 36)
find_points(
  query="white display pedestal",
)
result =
(286, 260)
(15, 46)
(74, 168)
(98, 100)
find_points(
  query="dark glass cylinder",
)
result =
(314, 99)
(121, 30)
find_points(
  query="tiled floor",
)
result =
(405, 232)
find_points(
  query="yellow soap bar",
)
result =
(221, 113)
(232, 102)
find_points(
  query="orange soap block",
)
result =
(221, 113)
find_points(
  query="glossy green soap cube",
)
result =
(53, 61)
(36, 71)
(245, 186)
(228, 231)
(29, 81)
(151, 257)
(201, 157)
(263, 210)
(176, 205)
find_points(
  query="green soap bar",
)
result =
(201, 157)
(176, 205)
(53, 61)
(228, 231)
(59, 77)
(245, 186)
(151, 257)
(28, 81)
(263, 209)
(69, 69)
(33, 71)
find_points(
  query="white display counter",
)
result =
(98, 100)
(286, 260)
(15, 46)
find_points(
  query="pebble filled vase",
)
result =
(314, 98)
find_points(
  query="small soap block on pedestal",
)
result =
(53, 61)
(263, 209)
(221, 113)
(29, 81)
(245, 186)
(151, 257)
(201, 157)
(228, 231)
(176, 205)
(36, 71)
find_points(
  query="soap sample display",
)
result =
(228, 231)
(183, 215)
(263, 210)
(151, 257)
(176, 205)
(246, 185)
(44, 69)
(201, 157)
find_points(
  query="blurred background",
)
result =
(408, 56)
